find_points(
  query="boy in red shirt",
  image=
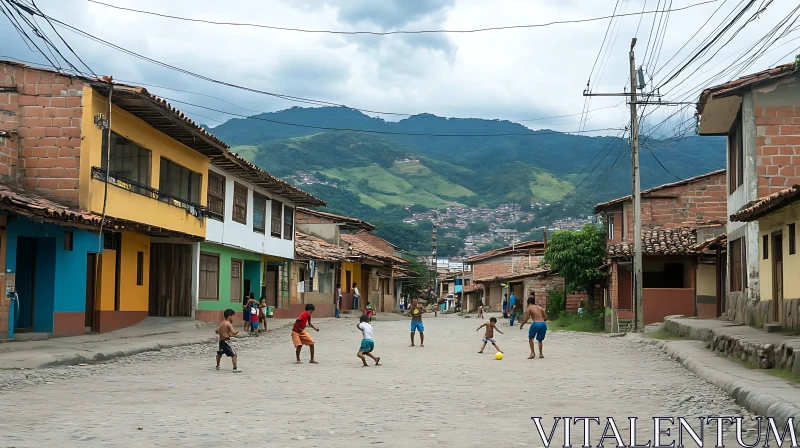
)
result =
(299, 335)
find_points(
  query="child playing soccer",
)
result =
(489, 335)
(367, 343)
(299, 335)
(226, 332)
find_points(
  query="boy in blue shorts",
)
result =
(367, 343)
(538, 329)
(416, 311)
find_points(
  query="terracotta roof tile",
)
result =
(28, 204)
(735, 86)
(523, 247)
(355, 222)
(767, 204)
(680, 241)
(309, 247)
(711, 243)
(361, 247)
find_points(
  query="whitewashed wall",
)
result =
(232, 233)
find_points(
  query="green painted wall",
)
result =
(248, 272)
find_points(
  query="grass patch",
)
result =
(665, 335)
(549, 188)
(247, 152)
(586, 323)
(784, 374)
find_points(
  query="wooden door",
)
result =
(170, 280)
(777, 276)
(91, 288)
(625, 289)
(272, 286)
(236, 281)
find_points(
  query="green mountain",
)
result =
(377, 173)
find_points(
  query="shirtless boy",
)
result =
(538, 317)
(226, 332)
(489, 335)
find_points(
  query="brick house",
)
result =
(760, 116)
(96, 148)
(674, 216)
(513, 269)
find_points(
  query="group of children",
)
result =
(254, 314)
(300, 336)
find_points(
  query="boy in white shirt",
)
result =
(367, 343)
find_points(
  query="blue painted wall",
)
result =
(60, 274)
(252, 272)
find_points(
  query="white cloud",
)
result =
(514, 74)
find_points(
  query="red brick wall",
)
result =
(484, 270)
(303, 218)
(701, 202)
(44, 114)
(777, 148)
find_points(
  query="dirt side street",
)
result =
(444, 394)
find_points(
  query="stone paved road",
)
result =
(444, 394)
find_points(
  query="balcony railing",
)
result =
(133, 186)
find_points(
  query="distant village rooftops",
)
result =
(768, 204)
(603, 205)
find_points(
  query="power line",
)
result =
(387, 33)
(532, 134)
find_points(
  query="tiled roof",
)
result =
(354, 223)
(400, 272)
(309, 247)
(523, 247)
(472, 287)
(361, 248)
(28, 204)
(599, 207)
(711, 243)
(767, 204)
(679, 241)
(733, 87)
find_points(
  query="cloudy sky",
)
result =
(519, 75)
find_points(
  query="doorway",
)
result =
(26, 282)
(170, 280)
(272, 286)
(777, 276)
(91, 289)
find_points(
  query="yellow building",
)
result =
(777, 216)
(150, 181)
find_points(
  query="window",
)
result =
(236, 280)
(670, 276)
(610, 225)
(216, 196)
(737, 272)
(128, 159)
(68, 241)
(792, 247)
(288, 223)
(275, 225)
(259, 213)
(240, 203)
(765, 246)
(139, 268)
(179, 182)
(325, 278)
(735, 155)
(209, 277)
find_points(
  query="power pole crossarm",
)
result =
(637, 204)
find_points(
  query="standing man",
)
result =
(416, 311)
(356, 296)
(337, 300)
(505, 306)
(511, 302)
(538, 329)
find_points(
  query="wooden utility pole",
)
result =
(637, 203)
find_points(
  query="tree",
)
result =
(449, 246)
(577, 255)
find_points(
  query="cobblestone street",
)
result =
(445, 394)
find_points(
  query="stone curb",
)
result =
(127, 347)
(745, 395)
